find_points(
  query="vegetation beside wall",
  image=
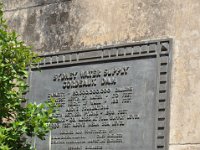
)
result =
(18, 122)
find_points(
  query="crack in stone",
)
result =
(184, 144)
(34, 6)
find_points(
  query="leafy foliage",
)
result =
(16, 121)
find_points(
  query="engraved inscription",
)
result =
(102, 107)
(89, 77)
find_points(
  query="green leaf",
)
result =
(15, 120)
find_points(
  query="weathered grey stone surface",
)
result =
(57, 25)
(24, 4)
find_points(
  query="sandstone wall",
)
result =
(58, 25)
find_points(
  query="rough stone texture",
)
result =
(185, 112)
(185, 147)
(75, 24)
(24, 4)
(57, 25)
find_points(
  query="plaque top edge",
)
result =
(111, 46)
(151, 48)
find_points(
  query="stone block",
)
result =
(184, 147)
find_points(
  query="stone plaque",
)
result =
(111, 98)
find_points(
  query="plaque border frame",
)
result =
(160, 49)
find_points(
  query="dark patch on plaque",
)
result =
(114, 98)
